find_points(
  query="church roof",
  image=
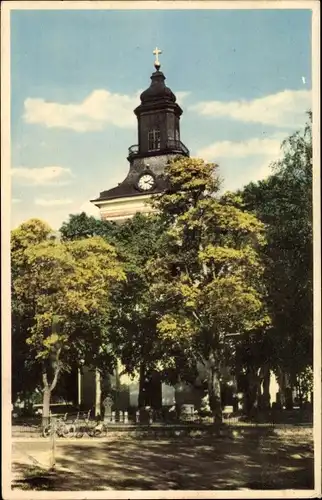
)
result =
(157, 90)
(157, 97)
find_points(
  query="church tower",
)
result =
(158, 118)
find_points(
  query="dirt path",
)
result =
(263, 460)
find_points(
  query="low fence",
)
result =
(148, 421)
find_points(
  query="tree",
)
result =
(29, 233)
(283, 202)
(252, 365)
(81, 226)
(207, 273)
(63, 286)
(133, 322)
(133, 335)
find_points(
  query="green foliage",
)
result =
(133, 322)
(29, 233)
(283, 202)
(80, 226)
(206, 277)
(304, 383)
(132, 327)
(60, 287)
(163, 292)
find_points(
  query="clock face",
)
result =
(146, 182)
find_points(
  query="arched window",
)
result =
(154, 140)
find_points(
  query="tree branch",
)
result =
(57, 371)
(44, 377)
(188, 274)
(55, 379)
(197, 317)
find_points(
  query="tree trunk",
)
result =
(259, 397)
(117, 386)
(142, 388)
(266, 385)
(47, 390)
(79, 387)
(214, 392)
(251, 395)
(282, 382)
(98, 393)
(46, 406)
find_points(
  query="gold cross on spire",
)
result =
(156, 52)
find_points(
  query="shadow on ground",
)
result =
(265, 459)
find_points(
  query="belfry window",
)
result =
(154, 140)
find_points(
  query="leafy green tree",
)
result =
(252, 365)
(81, 226)
(207, 276)
(62, 285)
(29, 233)
(283, 202)
(133, 335)
(133, 323)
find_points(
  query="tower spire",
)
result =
(157, 63)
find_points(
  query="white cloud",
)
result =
(16, 200)
(89, 208)
(52, 202)
(100, 108)
(241, 162)
(53, 217)
(283, 109)
(43, 175)
(236, 176)
(262, 170)
(182, 95)
(268, 146)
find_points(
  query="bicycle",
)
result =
(87, 427)
(72, 427)
(59, 427)
(100, 430)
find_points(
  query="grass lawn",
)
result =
(250, 458)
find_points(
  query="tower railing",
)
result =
(133, 150)
(171, 146)
(177, 146)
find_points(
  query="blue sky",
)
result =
(242, 77)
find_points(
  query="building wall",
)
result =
(124, 208)
(165, 120)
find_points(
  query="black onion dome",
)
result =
(157, 89)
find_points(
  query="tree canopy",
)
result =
(166, 292)
(64, 288)
(283, 202)
(207, 272)
(132, 326)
